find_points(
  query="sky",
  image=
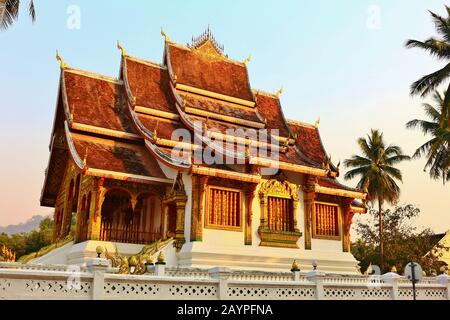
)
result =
(341, 61)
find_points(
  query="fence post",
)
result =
(444, 280)
(317, 277)
(222, 274)
(98, 268)
(392, 279)
(160, 270)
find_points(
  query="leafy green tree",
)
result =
(403, 242)
(26, 243)
(377, 174)
(436, 150)
(9, 12)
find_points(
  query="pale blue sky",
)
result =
(330, 61)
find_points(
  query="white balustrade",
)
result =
(97, 281)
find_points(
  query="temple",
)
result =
(188, 152)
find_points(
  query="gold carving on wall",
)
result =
(177, 197)
(278, 238)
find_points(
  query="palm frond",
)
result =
(365, 147)
(357, 161)
(32, 11)
(423, 149)
(396, 159)
(425, 126)
(9, 12)
(437, 48)
(442, 26)
(430, 82)
(361, 171)
(393, 172)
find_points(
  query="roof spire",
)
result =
(62, 63)
(207, 35)
(120, 47)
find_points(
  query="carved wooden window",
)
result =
(326, 221)
(280, 214)
(224, 209)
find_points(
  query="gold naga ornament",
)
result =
(137, 264)
(7, 254)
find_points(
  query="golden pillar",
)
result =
(178, 197)
(198, 195)
(67, 216)
(180, 204)
(310, 207)
(346, 225)
(250, 194)
(95, 211)
(55, 231)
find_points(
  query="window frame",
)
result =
(323, 237)
(208, 205)
(291, 211)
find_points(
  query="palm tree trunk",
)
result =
(380, 226)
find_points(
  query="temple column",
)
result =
(250, 193)
(178, 197)
(198, 195)
(95, 211)
(79, 219)
(67, 217)
(347, 219)
(263, 199)
(180, 239)
(55, 230)
(310, 207)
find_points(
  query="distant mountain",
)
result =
(28, 226)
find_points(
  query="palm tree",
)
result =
(437, 150)
(439, 48)
(377, 173)
(9, 12)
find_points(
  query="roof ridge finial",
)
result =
(62, 63)
(164, 34)
(247, 60)
(85, 157)
(316, 125)
(279, 92)
(122, 50)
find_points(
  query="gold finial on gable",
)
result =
(122, 50)
(133, 101)
(279, 92)
(247, 60)
(62, 63)
(316, 125)
(85, 157)
(166, 37)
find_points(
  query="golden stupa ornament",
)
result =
(161, 258)
(295, 267)
(394, 269)
(99, 250)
